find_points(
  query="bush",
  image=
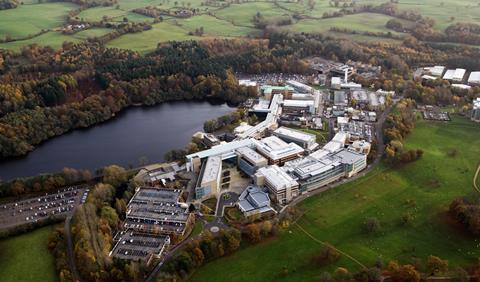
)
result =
(371, 225)
(327, 256)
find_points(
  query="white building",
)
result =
(436, 71)
(455, 75)
(303, 139)
(281, 186)
(474, 78)
(210, 176)
(278, 151)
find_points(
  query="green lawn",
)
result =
(242, 14)
(26, 257)
(148, 40)
(52, 38)
(31, 19)
(215, 27)
(424, 189)
(93, 32)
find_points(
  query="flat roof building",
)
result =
(250, 161)
(307, 106)
(281, 186)
(474, 78)
(132, 245)
(455, 75)
(209, 177)
(476, 110)
(303, 139)
(300, 87)
(278, 151)
(436, 71)
(157, 210)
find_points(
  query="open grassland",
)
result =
(444, 12)
(148, 40)
(26, 257)
(215, 27)
(359, 22)
(242, 14)
(424, 189)
(30, 19)
(51, 38)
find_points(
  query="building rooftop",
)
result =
(251, 155)
(278, 178)
(300, 86)
(474, 77)
(212, 169)
(275, 148)
(137, 246)
(456, 74)
(253, 198)
(298, 103)
(295, 134)
(225, 150)
(435, 71)
(349, 156)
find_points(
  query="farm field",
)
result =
(31, 19)
(217, 19)
(147, 41)
(51, 38)
(26, 257)
(423, 189)
(215, 27)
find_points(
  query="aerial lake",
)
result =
(139, 132)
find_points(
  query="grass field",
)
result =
(52, 38)
(215, 27)
(424, 189)
(242, 14)
(148, 40)
(31, 19)
(26, 257)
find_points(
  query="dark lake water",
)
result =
(133, 134)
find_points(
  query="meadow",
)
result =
(423, 189)
(234, 20)
(26, 257)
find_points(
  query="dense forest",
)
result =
(46, 92)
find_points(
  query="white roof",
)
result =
(212, 169)
(251, 155)
(461, 86)
(436, 70)
(428, 77)
(298, 103)
(299, 85)
(456, 74)
(476, 104)
(278, 178)
(332, 146)
(295, 134)
(340, 137)
(275, 148)
(474, 77)
(343, 119)
(225, 150)
(247, 82)
(336, 80)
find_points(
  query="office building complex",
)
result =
(304, 140)
(281, 186)
(250, 161)
(209, 178)
(277, 151)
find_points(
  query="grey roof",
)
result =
(253, 198)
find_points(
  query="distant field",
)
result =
(148, 40)
(215, 27)
(26, 258)
(52, 38)
(358, 22)
(242, 14)
(424, 189)
(30, 19)
(217, 19)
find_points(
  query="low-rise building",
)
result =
(157, 211)
(476, 110)
(281, 186)
(474, 78)
(436, 71)
(278, 151)
(455, 75)
(210, 140)
(157, 174)
(136, 246)
(254, 201)
(250, 161)
(298, 107)
(303, 139)
(209, 178)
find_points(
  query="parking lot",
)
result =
(42, 207)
